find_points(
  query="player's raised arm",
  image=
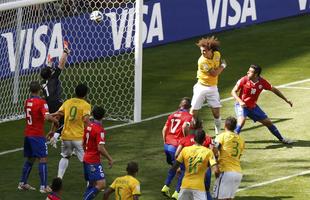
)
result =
(64, 56)
(279, 94)
(219, 70)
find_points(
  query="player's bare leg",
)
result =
(217, 120)
(273, 129)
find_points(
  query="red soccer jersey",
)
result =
(52, 196)
(207, 141)
(35, 109)
(174, 125)
(187, 140)
(249, 91)
(94, 134)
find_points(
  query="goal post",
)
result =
(106, 56)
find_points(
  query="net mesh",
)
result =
(102, 54)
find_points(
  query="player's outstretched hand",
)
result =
(289, 102)
(242, 104)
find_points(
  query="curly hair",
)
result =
(210, 43)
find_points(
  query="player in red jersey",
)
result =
(172, 132)
(249, 88)
(93, 144)
(35, 147)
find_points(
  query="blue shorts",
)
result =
(35, 147)
(170, 153)
(256, 114)
(93, 172)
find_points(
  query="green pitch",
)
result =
(280, 47)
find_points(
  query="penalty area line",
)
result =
(165, 114)
(274, 180)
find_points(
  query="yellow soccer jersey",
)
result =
(125, 187)
(231, 148)
(205, 65)
(196, 160)
(74, 110)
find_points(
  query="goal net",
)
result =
(106, 55)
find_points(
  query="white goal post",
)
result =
(106, 56)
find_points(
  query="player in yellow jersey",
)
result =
(76, 112)
(125, 187)
(210, 67)
(196, 160)
(230, 147)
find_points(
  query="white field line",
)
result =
(274, 180)
(10, 151)
(292, 87)
(165, 114)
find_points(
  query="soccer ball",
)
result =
(96, 16)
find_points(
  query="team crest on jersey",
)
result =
(260, 87)
(29, 104)
(88, 128)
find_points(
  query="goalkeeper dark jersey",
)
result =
(52, 90)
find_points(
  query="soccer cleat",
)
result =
(175, 195)
(22, 186)
(287, 141)
(166, 191)
(46, 189)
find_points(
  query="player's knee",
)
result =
(66, 156)
(100, 184)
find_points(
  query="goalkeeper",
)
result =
(51, 89)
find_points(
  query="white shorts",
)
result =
(226, 185)
(189, 194)
(68, 146)
(204, 93)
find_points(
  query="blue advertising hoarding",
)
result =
(164, 21)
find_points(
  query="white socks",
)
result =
(217, 123)
(63, 164)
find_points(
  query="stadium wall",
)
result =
(165, 21)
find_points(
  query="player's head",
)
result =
(132, 168)
(98, 112)
(208, 46)
(200, 137)
(34, 87)
(230, 123)
(56, 185)
(254, 71)
(46, 73)
(185, 103)
(81, 90)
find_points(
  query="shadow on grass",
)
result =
(297, 143)
(262, 198)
